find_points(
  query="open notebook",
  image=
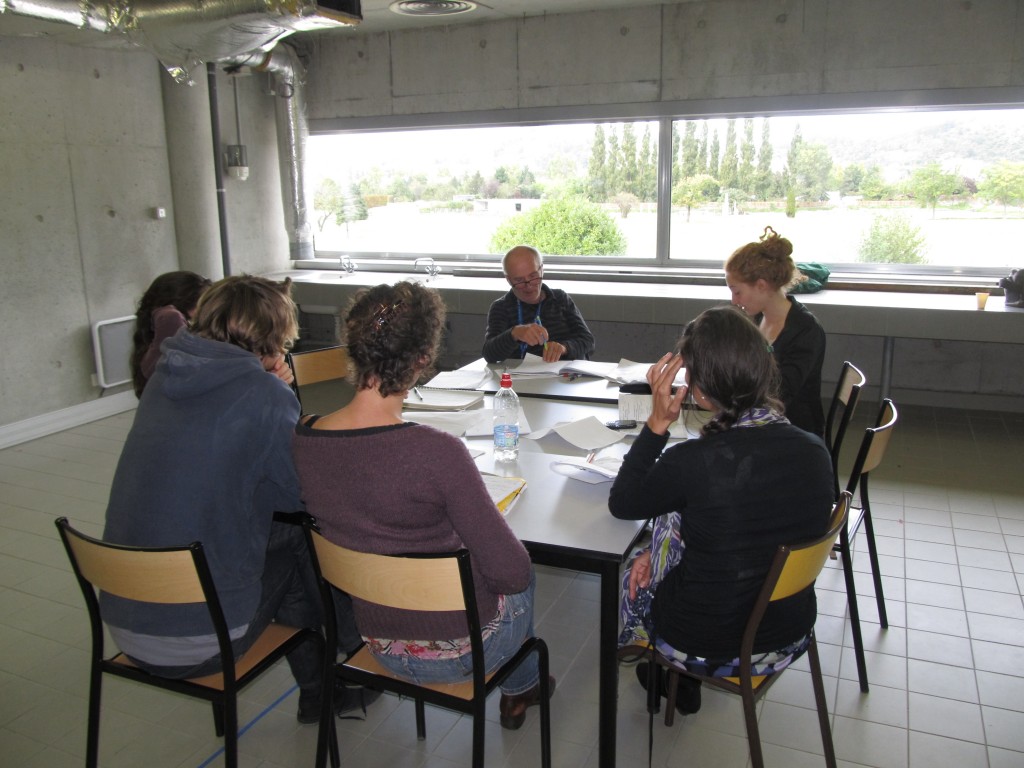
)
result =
(504, 490)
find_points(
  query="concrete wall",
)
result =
(92, 138)
(765, 53)
(87, 151)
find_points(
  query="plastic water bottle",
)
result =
(506, 421)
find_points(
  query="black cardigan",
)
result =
(741, 494)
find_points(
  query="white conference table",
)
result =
(565, 523)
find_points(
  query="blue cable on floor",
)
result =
(250, 724)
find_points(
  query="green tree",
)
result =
(928, 184)
(763, 182)
(893, 240)
(675, 149)
(689, 163)
(873, 186)
(328, 200)
(745, 174)
(613, 177)
(850, 179)
(727, 174)
(563, 226)
(630, 169)
(597, 171)
(693, 191)
(648, 167)
(625, 202)
(790, 203)
(810, 167)
(713, 157)
(1003, 183)
(702, 150)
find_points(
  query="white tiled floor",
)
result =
(947, 676)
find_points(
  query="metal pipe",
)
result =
(218, 167)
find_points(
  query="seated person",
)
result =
(378, 484)
(721, 504)
(208, 458)
(533, 317)
(165, 307)
(758, 274)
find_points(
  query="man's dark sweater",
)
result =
(558, 315)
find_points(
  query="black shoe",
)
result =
(687, 693)
(346, 701)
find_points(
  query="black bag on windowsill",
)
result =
(1013, 287)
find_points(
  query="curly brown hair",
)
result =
(728, 358)
(393, 334)
(770, 258)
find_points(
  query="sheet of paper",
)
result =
(601, 470)
(453, 422)
(533, 365)
(589, 433)
(441, 399)
(459, 380)
(588, 368)
(504, 491)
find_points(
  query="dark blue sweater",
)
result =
(208, 458)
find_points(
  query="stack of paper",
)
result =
(504, 491)
(595, 471)
(460, 379)
(424, 399)
(587, 433)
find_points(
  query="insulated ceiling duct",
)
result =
(185, 33)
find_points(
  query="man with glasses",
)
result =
(533, 317)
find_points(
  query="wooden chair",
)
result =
(872, 451)
(318, 365)
(840, 411)
(422, 582)
(794, 569)
(171, 576)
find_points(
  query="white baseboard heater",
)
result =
(112, 346)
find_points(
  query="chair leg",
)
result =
(478, 737)
(231, 730)
(545, 706)
(672, 688)
(851, 601)
(876, 572)
(822, 704)
(92, 740)
(753, 734)
(218, 718)
(421, 720)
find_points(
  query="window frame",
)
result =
(845, 274)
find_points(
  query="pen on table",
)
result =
(590, 456)
(416, 391)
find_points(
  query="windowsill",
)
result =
(840, 279)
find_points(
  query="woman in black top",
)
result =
(722, 503)
(758, 275)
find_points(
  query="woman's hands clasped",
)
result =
(666, 406)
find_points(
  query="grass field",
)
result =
(953, 238)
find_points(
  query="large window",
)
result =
(575, 190)
(931, 191)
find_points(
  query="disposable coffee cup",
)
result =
(982, 299)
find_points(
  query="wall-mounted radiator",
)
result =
(112, 346)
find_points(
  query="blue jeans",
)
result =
(516, 625)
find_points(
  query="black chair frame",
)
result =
(220, 690)
(482, 684)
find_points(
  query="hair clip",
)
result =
(384, 314)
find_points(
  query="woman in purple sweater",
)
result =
(378, 484)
